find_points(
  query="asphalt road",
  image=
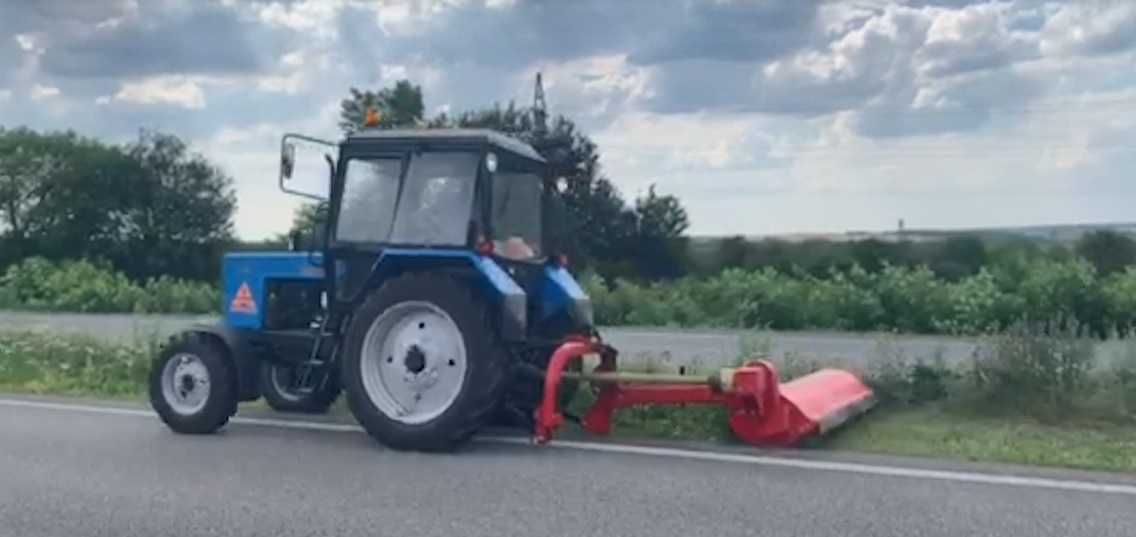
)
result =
(663, 347)
(68, 472)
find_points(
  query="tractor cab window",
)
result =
(516, 215)
(370, 188)
(436, 200)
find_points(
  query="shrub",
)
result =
(911, 298)
(976, 305)
(899, 380)
(87, 287)
(1041, 368)
(1118, 293)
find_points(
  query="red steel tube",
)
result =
(548, 417)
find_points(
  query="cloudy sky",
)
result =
(764, 116)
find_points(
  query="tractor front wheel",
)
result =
(423, 368)
(193, 386)
(277, 387)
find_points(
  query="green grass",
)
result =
(927, 431)
(71, 365)
(938, 431)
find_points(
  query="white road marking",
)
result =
(678, 453)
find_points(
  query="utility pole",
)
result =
(539, 109)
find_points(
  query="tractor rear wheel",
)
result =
(193, 386)
(276, 385)
(423, 367)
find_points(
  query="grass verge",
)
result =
(952, 426)
(72, 365)
(943, 432)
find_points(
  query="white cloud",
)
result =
(290, 84)
(103, 100)
(40, 92)
(27, 42)
(5, 94)
(176, 90)
(1090, 27)
(313, 17)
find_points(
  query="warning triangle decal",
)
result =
(243, 302)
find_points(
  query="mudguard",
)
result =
(245, 362)
(561, 292)
(498, 286)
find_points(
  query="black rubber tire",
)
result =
(525, 394)
(222, 401)
(317, 402)
(486, 371)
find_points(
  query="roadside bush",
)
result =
(898, 380)
(894, 299)
(1118, 293)
(977, 305)
(1039, 368)
(86, 287)
(912, 298)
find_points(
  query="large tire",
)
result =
(193, 385)
(416, 334)
(275, 380)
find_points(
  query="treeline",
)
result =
(150, 208)
(952, 257)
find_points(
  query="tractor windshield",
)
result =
(432, 207)
(516, 215)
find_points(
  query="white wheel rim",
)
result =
(413, 362)
(185, 384)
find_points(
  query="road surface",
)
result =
(666, 348)
(70, 470)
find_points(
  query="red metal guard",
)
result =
(548, 417)
(761, 410)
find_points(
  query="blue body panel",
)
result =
(560, 292)
(252, 270)
(246, 276)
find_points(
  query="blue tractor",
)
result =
(428, 297)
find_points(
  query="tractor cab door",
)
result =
(393, 196)
(366, 197)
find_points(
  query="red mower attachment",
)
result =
(762, 410)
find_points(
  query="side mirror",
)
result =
(287, 160)
(307, 166)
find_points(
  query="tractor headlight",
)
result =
(491, 162)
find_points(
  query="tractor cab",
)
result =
(431, 196)
(459, 188)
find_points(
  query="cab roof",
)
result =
(485, 136)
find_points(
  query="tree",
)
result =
(1108, 251)
(958, 257)
(398, 106)
(57, 193)
(659, 244)
(183, 216)
(28, 165)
